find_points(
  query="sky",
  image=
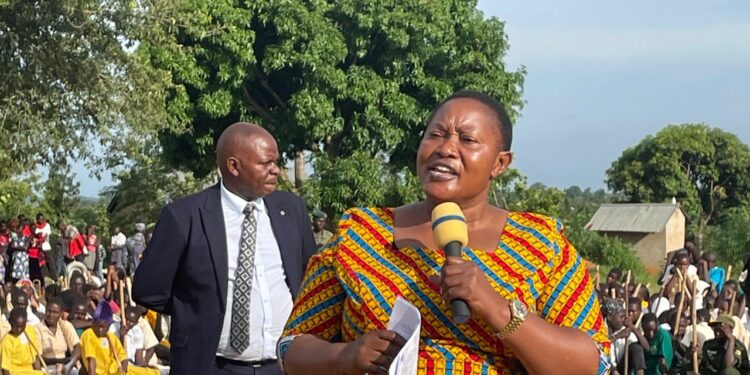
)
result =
(603, 75)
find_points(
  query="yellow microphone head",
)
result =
(449, 224)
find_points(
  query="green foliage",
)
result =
(731, 238)
(17, 197)
(598, 248)
(350, 81)
(510, 191)
(359, 181)
(704, 168)
(144, 189)
(70, 85)
(60, 192)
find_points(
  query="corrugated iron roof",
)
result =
(632, 217)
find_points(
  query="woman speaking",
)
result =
(532, 303)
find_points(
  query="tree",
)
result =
(144, 189)
(730, 239)
(72, 86)
(704, 168)
(60, 192)
(511, 191)
(350, 81)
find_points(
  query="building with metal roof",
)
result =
(654, 229)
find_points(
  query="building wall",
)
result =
(649, 247)
(675, 231)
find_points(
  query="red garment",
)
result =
(91, 243)
(4, 239)
(27, 231)
(36, 252)
(76, 246)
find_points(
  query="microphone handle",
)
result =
(459, 308)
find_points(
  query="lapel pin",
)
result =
(283, 213)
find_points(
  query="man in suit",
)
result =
(226, 263)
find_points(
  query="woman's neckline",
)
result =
(391, 215)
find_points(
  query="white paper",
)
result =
(407, 322)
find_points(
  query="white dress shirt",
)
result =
(270, 298)
(118, 241)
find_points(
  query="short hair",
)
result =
(617, 271)
(648, 318)
(703, 315)
(56, 301)
(732, 283)
(501, 114)
(52, 290)
(77, 275)
(16, 313)
(709, 256)
(17, 293)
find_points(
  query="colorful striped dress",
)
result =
(350, 287)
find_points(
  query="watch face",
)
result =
(519, 309)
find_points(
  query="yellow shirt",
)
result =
(54, 345)
(19, 354)
(103, 350)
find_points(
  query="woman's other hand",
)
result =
(371, 353)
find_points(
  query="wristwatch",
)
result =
(518, 313)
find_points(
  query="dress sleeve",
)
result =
(569, 299)
(319, 306)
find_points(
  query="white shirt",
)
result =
(47, 231)
(618, 346)
(270, 298)
(118, 240)
(705, 333)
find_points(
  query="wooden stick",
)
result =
(627, 316)
(613, 293)
(596, 278)
(37, 350)
(729, 272)
(117, 358)
(693, 318)
(676, 325)
(731, 303)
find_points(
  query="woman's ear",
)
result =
(502, 162)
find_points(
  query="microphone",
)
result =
(451, 235)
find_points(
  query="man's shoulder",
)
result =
(194, 200)
(283, 195)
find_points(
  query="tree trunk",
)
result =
(299, 170)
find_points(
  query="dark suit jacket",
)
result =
(184, 269)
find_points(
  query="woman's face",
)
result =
(460, 152)
(52, 315)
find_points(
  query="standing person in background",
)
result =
(136, 244)
(319, 223)
(92, 247)
(226, 262)
(43, 229)
(4, 243)
(118, 253)
(61, 246)
(76, 245)
(20, 260)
